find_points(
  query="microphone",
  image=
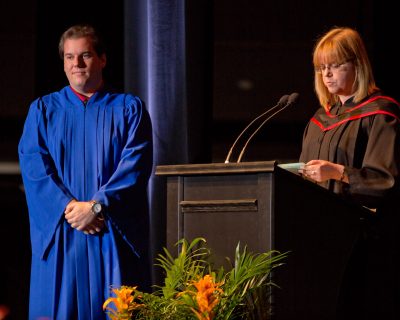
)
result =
(283, 100)
(290, 100)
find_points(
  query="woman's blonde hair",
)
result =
(340, 45)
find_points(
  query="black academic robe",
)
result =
(365, 138)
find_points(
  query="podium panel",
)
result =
(266, 207)
(241, 200)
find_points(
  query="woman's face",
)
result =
(339, 78)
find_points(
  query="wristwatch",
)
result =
(97, 208)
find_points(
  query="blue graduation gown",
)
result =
(100, 151)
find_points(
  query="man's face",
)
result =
(82, 66)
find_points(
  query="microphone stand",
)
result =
(281, 101)
(292, 99)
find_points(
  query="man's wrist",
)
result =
(96, 208)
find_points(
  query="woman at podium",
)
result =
(351, 146)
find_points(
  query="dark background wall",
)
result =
(261, 50)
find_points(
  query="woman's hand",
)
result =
(322, 170)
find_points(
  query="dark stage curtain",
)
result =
(168, 64)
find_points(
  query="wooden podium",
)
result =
(266, 207)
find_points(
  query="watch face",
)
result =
(96, 208)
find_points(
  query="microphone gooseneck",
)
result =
(290, 100)
(282, 101)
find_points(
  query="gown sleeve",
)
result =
(46, 195)
(125, 193)
(379, 173)
(305, 156)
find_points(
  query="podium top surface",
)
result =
(216, 168)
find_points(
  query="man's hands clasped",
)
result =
(80, 216)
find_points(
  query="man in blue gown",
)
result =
(85, 157)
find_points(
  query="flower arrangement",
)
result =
(194, 290)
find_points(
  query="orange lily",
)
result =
(206, 297)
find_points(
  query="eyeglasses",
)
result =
(334, 67)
